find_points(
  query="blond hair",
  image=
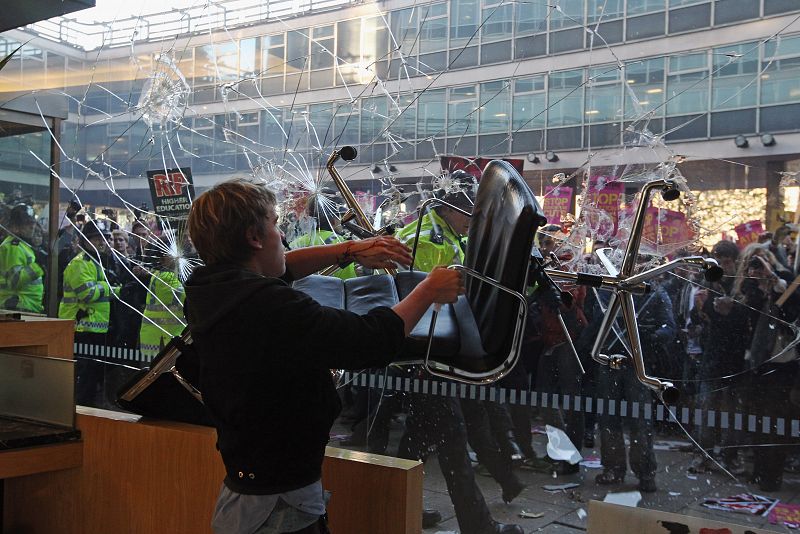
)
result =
(220, 217)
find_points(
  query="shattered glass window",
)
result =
(592, 101)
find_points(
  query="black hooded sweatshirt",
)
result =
(266, 351)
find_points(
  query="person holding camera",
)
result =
(771, 358)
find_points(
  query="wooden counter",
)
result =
(164, 477)
(40, 459)
(40, 336)
(131, 476)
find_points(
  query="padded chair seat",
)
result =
(446, 338)
(456, 339)
(366, 292)
(326, 290)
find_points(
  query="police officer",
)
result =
(21, 277)
(87, 291)
(321, 233)
(163, 305)
(87, 301)
(435, 421)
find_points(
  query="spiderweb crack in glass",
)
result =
(205, 90)
(165, 95)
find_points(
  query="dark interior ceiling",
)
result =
(30, 11)
(15, 128)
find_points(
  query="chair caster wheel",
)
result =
(670, 394)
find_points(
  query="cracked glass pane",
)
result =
(159, 103)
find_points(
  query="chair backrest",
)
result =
(504, 222)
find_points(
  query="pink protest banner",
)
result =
(606, 194)
(556, 203)
(666, 227)
(748, 233)
(785, 514)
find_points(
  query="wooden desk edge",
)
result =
(374, 459)
(330, 452)
(40, 459)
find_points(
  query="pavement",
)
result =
(565, 511)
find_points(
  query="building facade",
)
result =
(407, 82)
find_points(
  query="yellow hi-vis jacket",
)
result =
(21, 285)
(324, 237)
(87, 295)
(430, 254)
(164, 307)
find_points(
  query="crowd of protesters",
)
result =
(727, 345)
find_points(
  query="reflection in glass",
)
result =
(346, 125)
(432, 113)
(321, 119)
(374, 115)
(433, 28)
(497, 22)
(404, 30)
(296, 51)
(565, 98)
(733, 83)
(322, 51)
(463, 22)
(495, 106)
(403, 115)
(687, 84)
(636, 7)
(602, 10)
(645, 79)
(531, 17)
(604, 95)
(780, 82)
(568, 13)
(461, 107)
(530, 103)
(249, 57)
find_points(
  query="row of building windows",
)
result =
(739, 89)
(424, 39)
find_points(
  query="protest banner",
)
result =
(748, 232)
(606, 194)
(666, 227)
(172, 192)
(556, 203)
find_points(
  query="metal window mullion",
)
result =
(761, 57)
(709, 86)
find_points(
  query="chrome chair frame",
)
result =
(623, 285)
(167, 364)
